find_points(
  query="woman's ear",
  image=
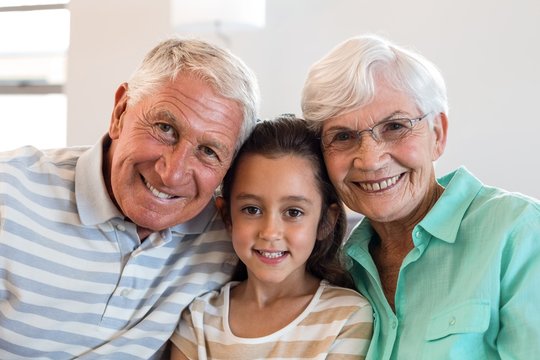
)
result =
(120, 104)
(328, 222)
(440, 128)
(223, 208)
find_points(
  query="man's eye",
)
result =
(166, 128)
(209, 152)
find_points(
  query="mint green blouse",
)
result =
(470, 288)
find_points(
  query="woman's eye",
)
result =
(393, 126)
(342, 136)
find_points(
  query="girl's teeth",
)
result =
(271, 255)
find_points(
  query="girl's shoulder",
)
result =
(215, 299)
(340, 296)
(339, 305)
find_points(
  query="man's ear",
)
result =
(223, 208)
(440, 128)
(328, 222)
(120, 104)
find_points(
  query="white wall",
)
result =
(488, 51)
(108, 40)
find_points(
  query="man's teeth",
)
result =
(271, 255)
(380, 185)
(156, 192)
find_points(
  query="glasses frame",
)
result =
(357, 134)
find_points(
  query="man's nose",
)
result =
(175, 163)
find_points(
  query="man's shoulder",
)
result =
(31, 157)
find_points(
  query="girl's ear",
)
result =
(223, 208)
(328, 222)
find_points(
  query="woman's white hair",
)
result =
(228, 75)
(344, 79)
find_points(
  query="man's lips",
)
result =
(156, 192)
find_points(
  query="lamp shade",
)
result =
(227, 15)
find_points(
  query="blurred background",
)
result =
(61, 62)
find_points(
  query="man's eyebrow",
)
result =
(163, 114)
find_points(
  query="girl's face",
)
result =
(275, 208)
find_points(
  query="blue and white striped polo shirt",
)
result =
(75, 281)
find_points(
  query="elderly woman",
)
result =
(450, 265)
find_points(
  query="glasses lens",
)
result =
(384, 132)
(340, 139)
(392, 130)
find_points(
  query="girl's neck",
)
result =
(264, 294)
(274, 306)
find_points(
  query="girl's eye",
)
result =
(251, 210)
(294, 213)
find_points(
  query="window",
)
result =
(34, 38)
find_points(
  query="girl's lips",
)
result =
(271, 257)
(271, 254)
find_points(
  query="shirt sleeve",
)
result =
(519, 332)
(185, 336)
(355, 335)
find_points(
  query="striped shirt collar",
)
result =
(96, 207)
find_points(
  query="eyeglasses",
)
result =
(386, 131)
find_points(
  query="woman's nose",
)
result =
(370, 154)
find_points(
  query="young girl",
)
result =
(290, 296)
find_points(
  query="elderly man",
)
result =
(101, 248)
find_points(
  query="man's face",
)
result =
(170, 151)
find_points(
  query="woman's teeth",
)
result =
(380, 185)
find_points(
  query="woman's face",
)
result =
(386, 181)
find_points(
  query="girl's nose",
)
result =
(271, 229)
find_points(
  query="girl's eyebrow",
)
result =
(296, 198)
